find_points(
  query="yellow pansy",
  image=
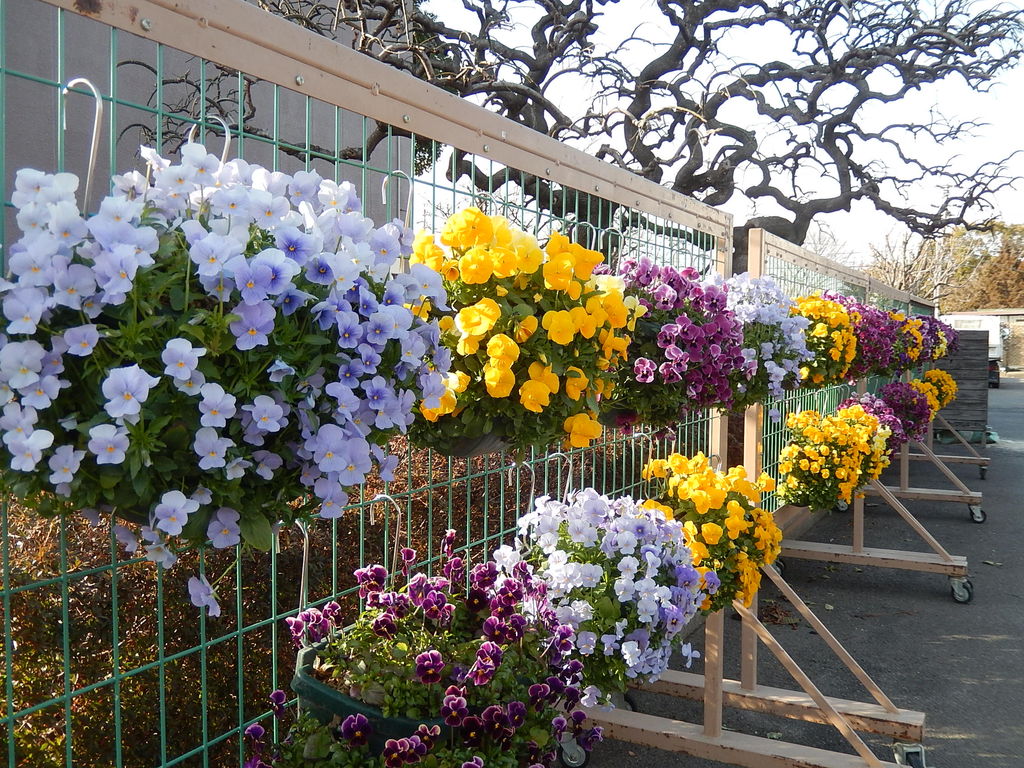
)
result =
(560, 326)
(585, 323)
(477, 319)
(543, 373)
(467, 228)
(581, 430)
(426, 251)
(499, 380)
(558, 273)
(576, 382)
(534, 395)
(711, 533)
(525, 328)
(476, 266)
(501, 347)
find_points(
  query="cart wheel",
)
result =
(962, 590)
(977, 513)
(910, 754)
(982, 471)
(572, 755)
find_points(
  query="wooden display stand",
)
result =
(904, 490)
(710, 741)
(936, 561)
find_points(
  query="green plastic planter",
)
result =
(325, 703)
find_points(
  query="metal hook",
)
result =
(533, 477)
(97, 121)
(304, 576)
(568, 474)
(408, 202)
(227, 135)
(603, 240)
(399, 521)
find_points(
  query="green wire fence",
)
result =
(105, 660)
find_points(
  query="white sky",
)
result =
(1002, 109)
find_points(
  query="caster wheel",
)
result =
(629, 702)
(780, 566)
(572, 755)
(910, 754)
(962, 590)
(841, 506)
(977, 513)
(982, 471)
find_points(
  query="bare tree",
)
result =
(994, 273)
(688, 101)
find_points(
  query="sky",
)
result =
(853, 233)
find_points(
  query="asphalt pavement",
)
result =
(961, 664)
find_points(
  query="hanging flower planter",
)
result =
(441, 668)
(531, 336)
(218, 349)
(328, 704)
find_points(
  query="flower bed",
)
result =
(774, 340)
(877, 337)
(911, 407)
(435, 671)
(909, 341)
(943, 385)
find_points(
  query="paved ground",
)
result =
(961, 664)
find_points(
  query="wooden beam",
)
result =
(952, 459)
(897, 559)
(733, 748)
(928, 494)
(904, 724)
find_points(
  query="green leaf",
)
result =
(316, 340)
(318, 745)
(607, 609)
(177, 296)
(197, 332)
(256, 531)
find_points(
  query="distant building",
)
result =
(1011, 323)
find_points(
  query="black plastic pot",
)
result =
(470, 447)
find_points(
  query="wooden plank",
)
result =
(733, 748)
(897, 559)
(905, 724)
(928, 494)
(795, 521)
(950, 459)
